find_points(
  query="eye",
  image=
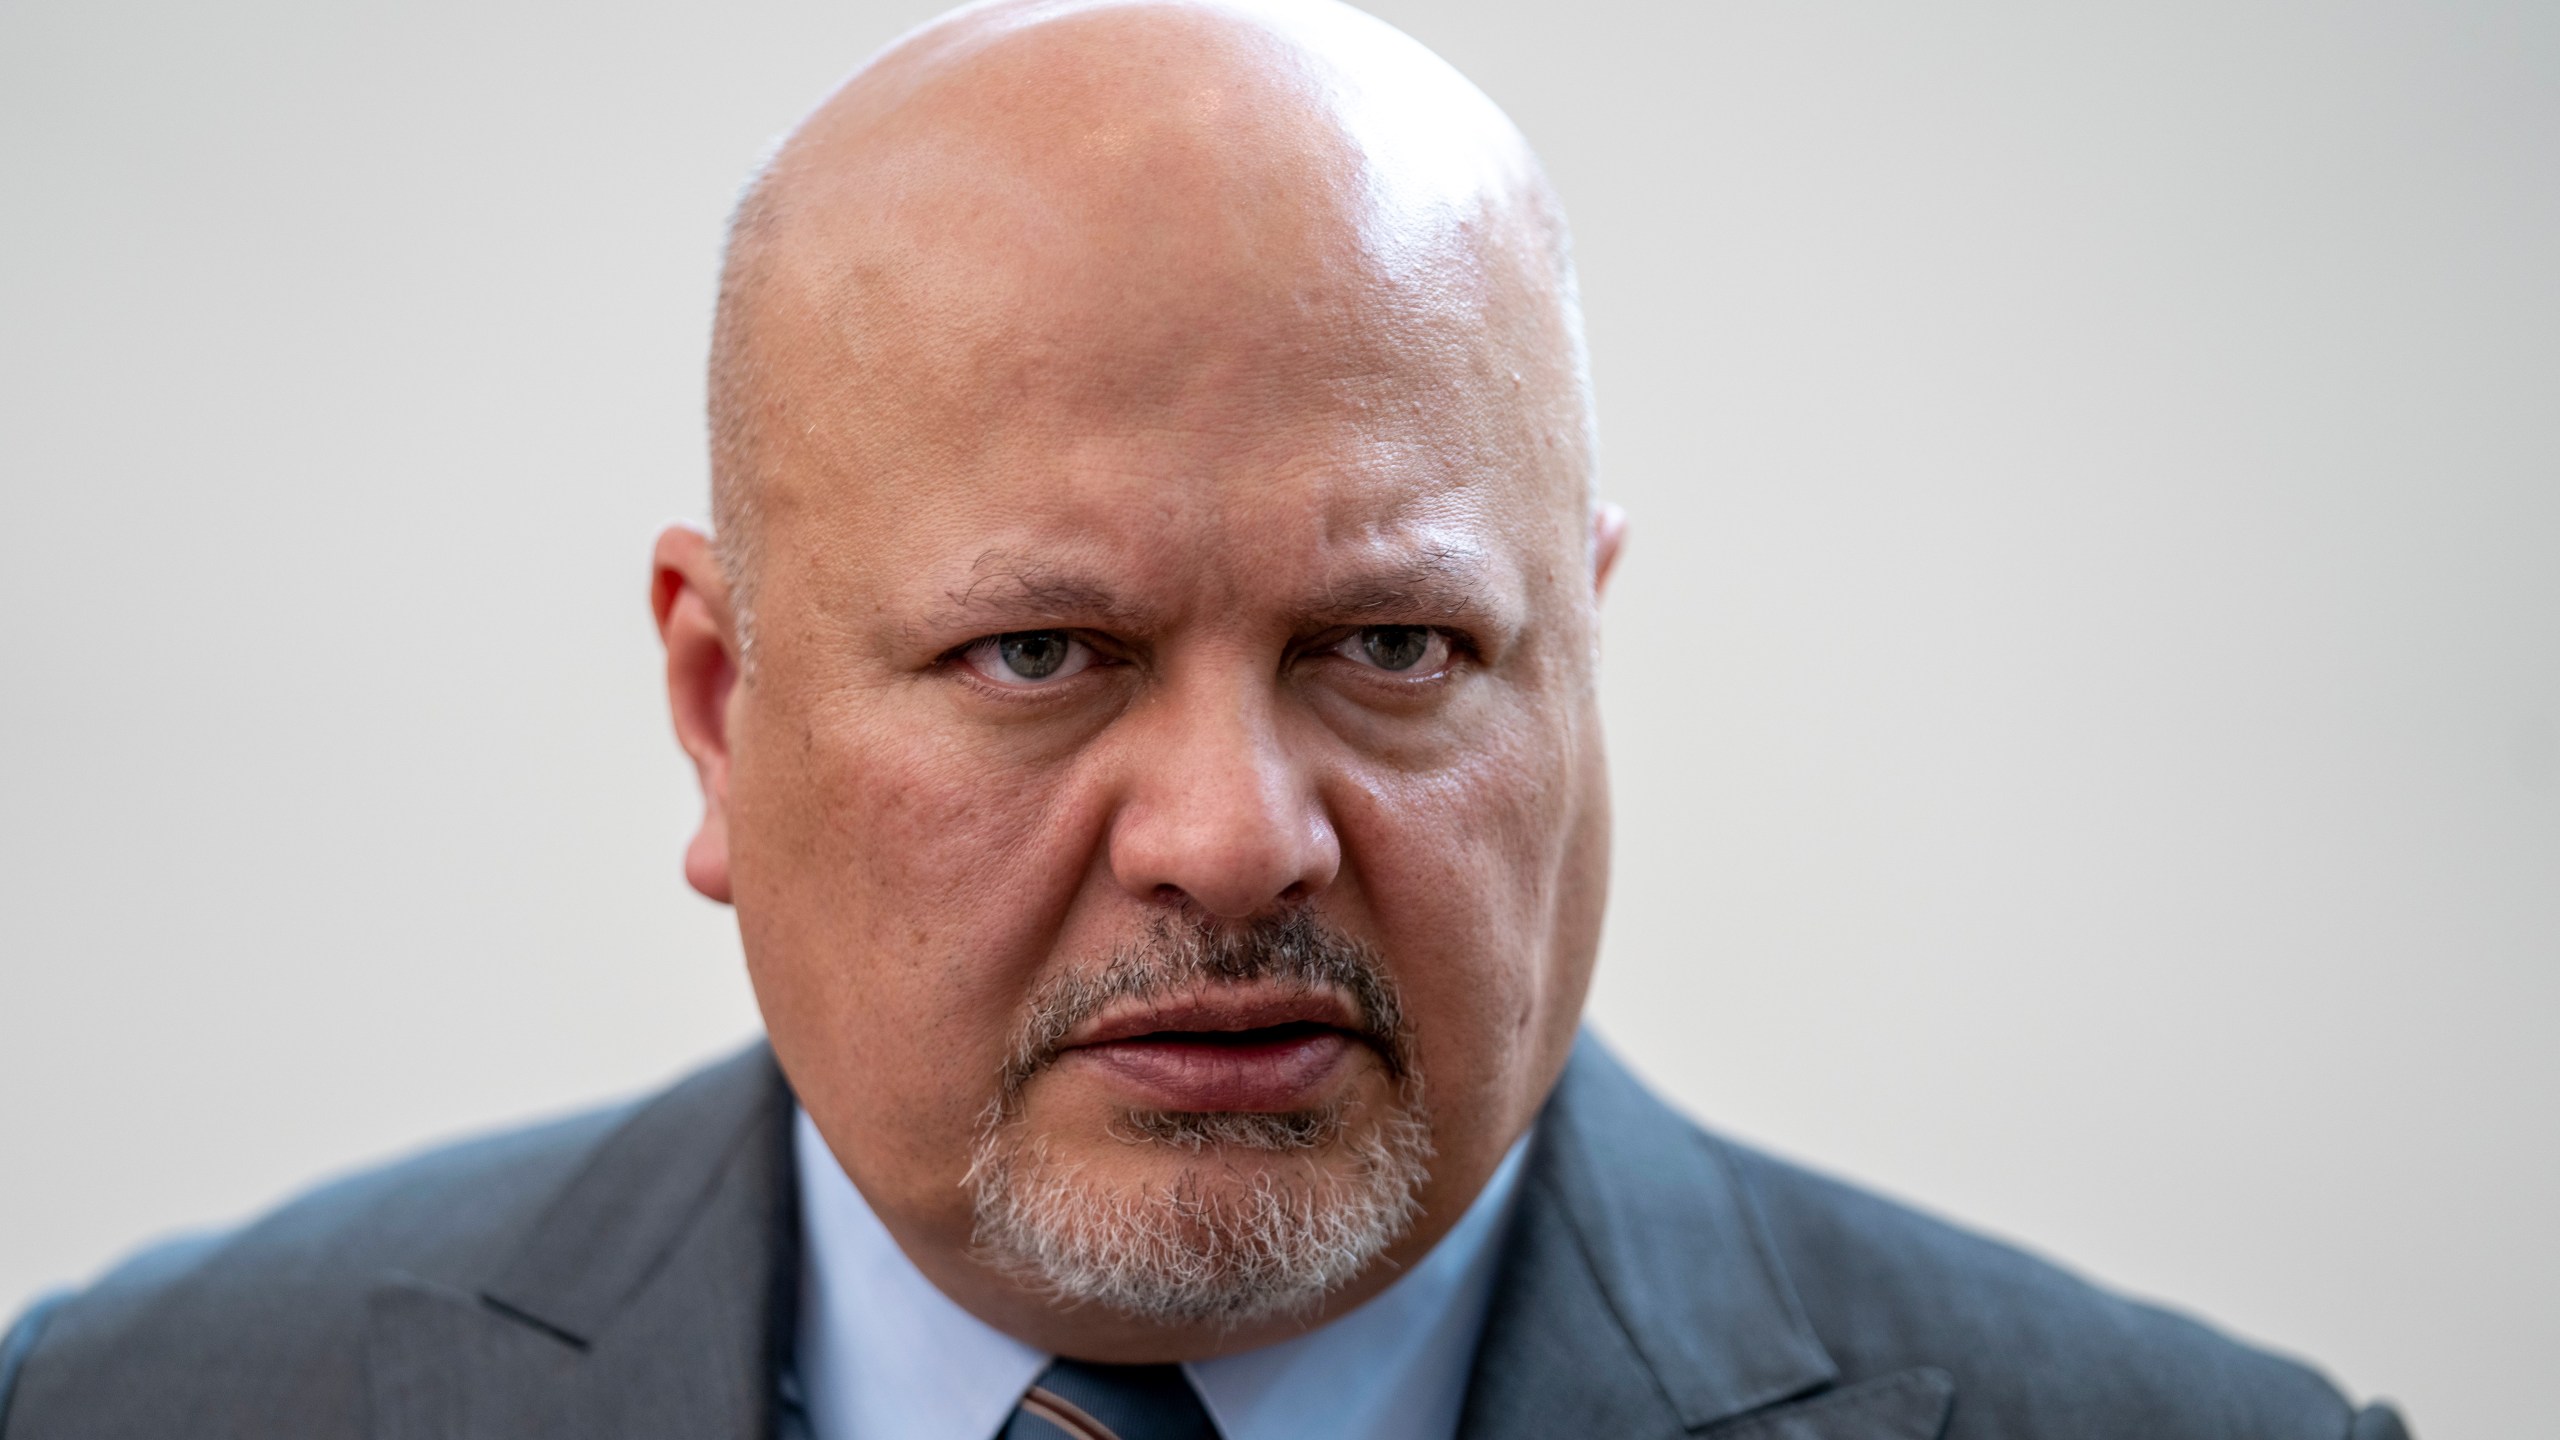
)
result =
(1028, 658)
(1405, 650)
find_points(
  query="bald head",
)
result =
(1100, 209)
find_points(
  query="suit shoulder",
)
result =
(2034, 1348)
(268, 1318)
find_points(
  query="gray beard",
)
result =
(1184, 1252)
(1191, 1250)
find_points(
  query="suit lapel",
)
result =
(650, 1300)
(1555, 1360)
(1640, 1296)
(1908, 1405)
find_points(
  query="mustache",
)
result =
(1184, 953)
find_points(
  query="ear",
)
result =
(1608, 536)
(690, 598)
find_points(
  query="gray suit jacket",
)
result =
(633, 1274)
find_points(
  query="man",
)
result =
(1143, 694)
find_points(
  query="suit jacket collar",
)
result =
(653, 1297)
(647, 1302)
(1641, 1295)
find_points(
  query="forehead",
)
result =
(955, 333)
(1218, 496)
(1236, 422)
(954, 345)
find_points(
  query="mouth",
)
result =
(1235, 1049)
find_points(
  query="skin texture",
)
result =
(1209, 336)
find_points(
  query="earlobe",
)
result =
(706, 855)
(689, 598)
(1608, 537)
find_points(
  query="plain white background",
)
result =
(2085, 688)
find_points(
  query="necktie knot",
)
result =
(1084, 1401)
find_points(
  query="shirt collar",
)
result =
(883, 1355)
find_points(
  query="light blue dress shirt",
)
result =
(883, 1355)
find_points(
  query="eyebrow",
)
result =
(1025, 593)
(1009, 591)
(1442, 579)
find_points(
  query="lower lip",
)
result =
(1291, 1070)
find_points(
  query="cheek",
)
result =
(896, 892)
(1458, 869)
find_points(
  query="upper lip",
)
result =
(1246, 1006)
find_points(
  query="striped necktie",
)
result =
(1110, 1402)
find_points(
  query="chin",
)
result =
(1200, 1217)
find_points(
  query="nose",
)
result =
(1215, 810)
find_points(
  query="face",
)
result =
(1167, 792)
